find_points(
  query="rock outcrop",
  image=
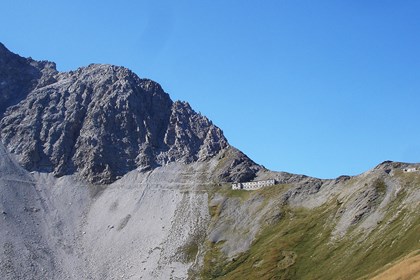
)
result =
(18, 76)
(100, 121)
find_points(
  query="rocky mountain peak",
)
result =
(18, 76)
(100, 121)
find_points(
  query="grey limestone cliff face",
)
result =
(18, 76)
(100, 121)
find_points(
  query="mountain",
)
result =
(103, 176)
(101, 121)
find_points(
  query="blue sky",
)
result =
(321, 88)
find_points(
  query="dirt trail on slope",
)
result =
(407, 269)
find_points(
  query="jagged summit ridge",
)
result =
(19, 75)
(100, 121)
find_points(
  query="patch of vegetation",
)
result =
(214, 261)
(299, 245)
(189, 251)
(242, 194)
(273, 191)
(380, 187)
(273, 254)
(214, 211)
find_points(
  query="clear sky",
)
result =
(321, 88)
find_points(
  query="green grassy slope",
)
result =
(298, 243)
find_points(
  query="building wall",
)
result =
(253, 185)
(413, 169)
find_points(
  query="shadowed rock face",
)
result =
(101, 121)
(18, 76)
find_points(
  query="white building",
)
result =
(413, 169)
(253, 185)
